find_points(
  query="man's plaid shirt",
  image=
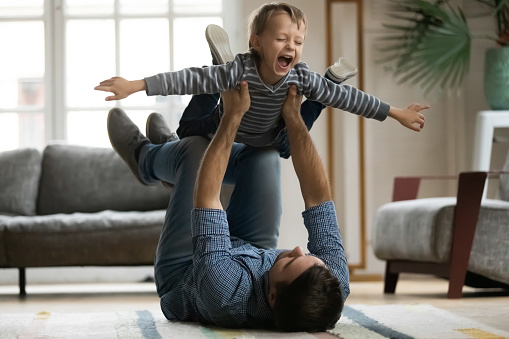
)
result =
(227, 283)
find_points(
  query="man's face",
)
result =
(280, 47)
(287, 267)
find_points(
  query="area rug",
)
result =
(409, 321)
(358, 321)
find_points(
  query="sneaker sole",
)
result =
(219, 44)
(342, 70)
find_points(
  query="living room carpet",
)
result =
(358, 321)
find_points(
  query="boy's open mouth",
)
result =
(284, 61)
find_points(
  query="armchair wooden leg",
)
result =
(456, 283)
(470, 190)
(22, 282)
(391, 279)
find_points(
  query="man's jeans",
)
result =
(254, 210)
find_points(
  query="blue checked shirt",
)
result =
(227, 283)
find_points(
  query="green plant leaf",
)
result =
(432, 46)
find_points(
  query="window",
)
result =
(22, 74)
(61, 49)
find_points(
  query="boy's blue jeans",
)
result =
(254, 210)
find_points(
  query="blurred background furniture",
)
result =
(486, 123)
(464, 239)
(75, 206)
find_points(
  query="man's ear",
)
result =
(272, 298)
(254, 42)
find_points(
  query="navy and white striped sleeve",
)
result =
(325, 241)
(196, 80)
(344, 97)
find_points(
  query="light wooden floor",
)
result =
(485, 306)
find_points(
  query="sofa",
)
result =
(75, 206)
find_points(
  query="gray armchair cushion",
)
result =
(410, 230)
(490, 251)
(421, 230)
(19, 181)
(89, 179)
(104, 238)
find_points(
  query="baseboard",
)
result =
(365, 277)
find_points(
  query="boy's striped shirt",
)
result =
(261, 124)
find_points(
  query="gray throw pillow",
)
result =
(90, 179)
(20, 171)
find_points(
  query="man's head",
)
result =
(276, 38)
(303, 293)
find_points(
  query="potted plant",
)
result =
(431, 46)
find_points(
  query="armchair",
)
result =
(464, 239)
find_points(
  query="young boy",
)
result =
(277, 34)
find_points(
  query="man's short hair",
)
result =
(311, 303)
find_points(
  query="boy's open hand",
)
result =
(410, 117)
(121, 87)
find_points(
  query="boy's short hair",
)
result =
(313, 302)
(259, 18)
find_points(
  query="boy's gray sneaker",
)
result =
(219, 44)
(126, 139)
(158, 133)
(342, 70)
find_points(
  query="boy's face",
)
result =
(280, 47)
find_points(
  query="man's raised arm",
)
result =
(213, 167)
(314, 183)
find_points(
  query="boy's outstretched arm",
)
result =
(122, 88)
(213, 167)
(409, 117)
(308, 165)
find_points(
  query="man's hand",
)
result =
(410, 117)
(308, 166)
(236, 103)
(121, 87)
(291, 107)
(215, 160)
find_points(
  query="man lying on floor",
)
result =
(221, 267)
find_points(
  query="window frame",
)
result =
(54, 19)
